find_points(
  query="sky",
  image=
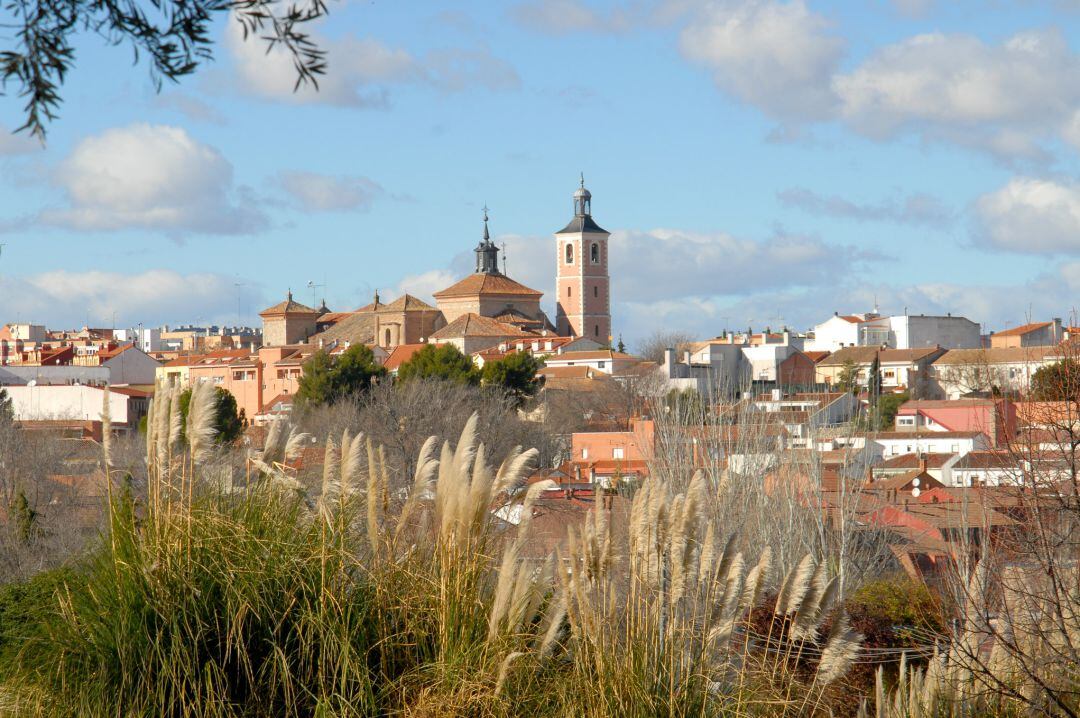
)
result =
(758, 162)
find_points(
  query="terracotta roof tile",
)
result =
(486, 284)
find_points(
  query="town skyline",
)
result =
(911, 156)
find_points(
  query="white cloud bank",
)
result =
(361, 71)
(71, 299)
(1030, 215)
(149, 177)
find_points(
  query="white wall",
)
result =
(919, 332)
(132, 367)
(84, 403)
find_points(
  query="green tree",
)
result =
(229, 421)
(328, 379)
(1057, 382)
(175, 37)
(7, 411)
(516, 374)
(848, 379)
(444, 361)
(25, 516)
(888, 406)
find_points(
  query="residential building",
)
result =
(996, 418)
(1039, 334)
(894, 443)
(901, 369)
(607, 361)
(960, 373)
(903, 331)
(603, 457)
(53, 403)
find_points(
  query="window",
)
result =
(595, 252)
(387, 337)
(617, 452)
(596, 330)
(601, 365)
(596, 291)
(569, 253)
(568, 291)
(585, 453)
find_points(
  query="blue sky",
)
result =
(759, 162)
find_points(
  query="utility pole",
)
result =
(239, 288)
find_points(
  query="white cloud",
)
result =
(1031, 215)
(71, 299)
(951, 86)
(360, 71)
(777, 56)
(17, 144)
(917, 209)
(151, 177)
(427, 283)
(314, 192)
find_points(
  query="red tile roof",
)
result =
(486, 284)
(474, 325)
(401, 354)
(1022, 329)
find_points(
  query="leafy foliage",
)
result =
(848, 379)
(7, 411)
(173, 36)
(328, 379)
(25, 605)
(888, 406)
(516, 374)
(444, 361)
(229, 422)
(1057, 382)
(25, 516)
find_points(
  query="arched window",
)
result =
(387, 337)
(569, 253)
(595, 252)
(568, 291)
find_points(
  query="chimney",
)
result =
(922, 464)
(669, 360)
(1057, 331)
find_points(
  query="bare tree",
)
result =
(652, 347)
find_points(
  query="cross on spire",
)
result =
(486, 235)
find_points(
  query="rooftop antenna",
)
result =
(313, 286)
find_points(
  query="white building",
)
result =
(903, 331)
(146, 338)
(895, 443)
(72, 403)
(963, 372)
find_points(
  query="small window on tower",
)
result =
(596, 291)
(568, 291)
(595, 251)
(596, 330)
(569, 253)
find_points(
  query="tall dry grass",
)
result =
(220, 597)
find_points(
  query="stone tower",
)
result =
(582, 286)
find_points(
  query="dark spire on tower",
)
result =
(487, 253)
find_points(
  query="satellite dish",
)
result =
(915, 492)
(32, 383)
(916, 482)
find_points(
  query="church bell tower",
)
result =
(583, 296)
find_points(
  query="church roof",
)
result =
(356, 328)
(486, 284)
(474, 325)
(287, 308)
(404, 303)
(582, 223)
